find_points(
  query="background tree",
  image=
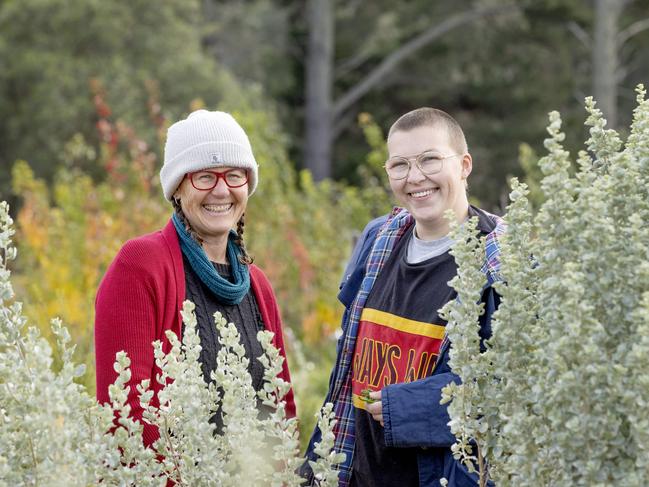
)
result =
(326, 117)
(497, 74)
(319, 109)
(51, 49)
(611, 35)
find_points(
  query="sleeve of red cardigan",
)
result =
(125, 319)
(291, 410)
(275, 325)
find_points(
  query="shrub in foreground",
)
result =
(561, 395)
(52, 432)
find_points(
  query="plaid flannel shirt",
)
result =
(340, 395)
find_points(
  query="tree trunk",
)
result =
(319, 72)
(605, 57)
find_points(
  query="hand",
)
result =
(376, 408)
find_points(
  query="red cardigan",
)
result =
(140, 297)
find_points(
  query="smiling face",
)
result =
(212, 213)
(427, 197)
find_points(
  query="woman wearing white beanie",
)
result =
(208, 174)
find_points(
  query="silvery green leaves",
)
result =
(187, 443)
(7, 251)
(592, 257)
(252, 449)
(468, 422)
(50, 428)
(324, 467)
(567, 398)
(11, 321)
(281, 430)
(52, 432)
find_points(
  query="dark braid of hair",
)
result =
(244, 258)
(179, 211)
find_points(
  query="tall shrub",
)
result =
(561, 395)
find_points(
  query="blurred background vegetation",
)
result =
(88, 88)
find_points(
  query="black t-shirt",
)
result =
(399, 337)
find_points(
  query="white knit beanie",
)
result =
(205, 140)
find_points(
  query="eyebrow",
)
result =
(417, 154)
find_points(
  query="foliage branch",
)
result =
(560, 396)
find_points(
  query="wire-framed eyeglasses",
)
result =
(428, 162)
(207, 180)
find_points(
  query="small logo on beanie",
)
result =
(216, 158)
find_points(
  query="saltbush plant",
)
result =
(52, 432)
(561, 395)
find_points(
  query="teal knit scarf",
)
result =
(224, 290)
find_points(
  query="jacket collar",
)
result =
(400, 217)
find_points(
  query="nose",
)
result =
(220, 188)
(415, 175)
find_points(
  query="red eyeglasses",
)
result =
(206, 180)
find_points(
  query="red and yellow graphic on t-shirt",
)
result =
(391, 349)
